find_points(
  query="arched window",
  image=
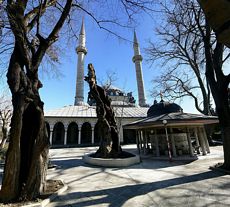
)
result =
(58, 134)
(86, 133)
(72, 134)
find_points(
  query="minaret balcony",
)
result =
(137, 58)
(81, 49)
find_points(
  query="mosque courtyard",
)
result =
(152, 183)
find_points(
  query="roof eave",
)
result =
(159, 124)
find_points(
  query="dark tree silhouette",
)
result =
(181, 51)
(28, 30)
(107, 133)
(26, 158)
(190, 41)
(217, 13)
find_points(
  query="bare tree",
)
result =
(182, 54)
(109, 80)
(108, 134)
(189, 41)
(5, 117)
(26, 159)
(219, 85)
(124, 99)
(29, 32)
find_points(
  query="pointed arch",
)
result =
(86, 133)
(72, 134)
(58, 134)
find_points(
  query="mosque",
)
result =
(75, 125)
(159, 129)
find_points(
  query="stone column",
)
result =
(51, 136)
(121, 136)
(138, 141)
(65, 136)
(92, 141)
(200, 134)
(144, 140)
(156, 143)
(173, 143)
(79, 134)
(139, 137)
(197, 141)
(189, 143)
(151, 141)
(196, 137)
(205, 140)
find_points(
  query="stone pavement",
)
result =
(154, 183)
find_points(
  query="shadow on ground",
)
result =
(108, 196)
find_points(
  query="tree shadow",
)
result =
(67, 163)
(116, 197)
(146, 163)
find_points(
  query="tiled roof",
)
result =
(90, 111)
(131, 111)
(178, 118)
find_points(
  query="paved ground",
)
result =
(151, 183)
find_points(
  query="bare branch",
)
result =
(98, 22)
(53, 36)
(182, 47)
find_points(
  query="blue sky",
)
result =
(107, 53)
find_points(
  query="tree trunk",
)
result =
(35, 151)
(223, 112)
(219, 84)
(26, 158)
(10, 184)
(27, 155)
(220, 96)
(107, 126)
(225, 131)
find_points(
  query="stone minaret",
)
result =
(137, 59)
(81, 52)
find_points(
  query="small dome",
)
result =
(114, 91)
(163, 108)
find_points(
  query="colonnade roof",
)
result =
(90, 112)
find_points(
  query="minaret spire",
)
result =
(137, 59)
(82, 32)
(81, 52)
